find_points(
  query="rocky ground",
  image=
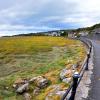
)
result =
(22, 86)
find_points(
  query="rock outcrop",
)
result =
(23, 88)
(27, 96)
(39, 81)
(22, 85)
(65, 73)
(55, 93)
(36, 91)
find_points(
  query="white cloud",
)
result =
(21, 10)
(44, 15)
(20, 29)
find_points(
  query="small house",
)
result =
(83, 33)
(71, 34)
(54, 33)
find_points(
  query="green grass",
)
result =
(26, 57)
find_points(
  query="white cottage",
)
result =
(55, 34)
(70, 34)
(83, 33)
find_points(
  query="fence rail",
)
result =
(78, 76)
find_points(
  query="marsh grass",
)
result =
(26, 57)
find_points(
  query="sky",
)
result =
(25, 16)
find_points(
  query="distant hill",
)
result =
(91, 30)
(96, 26)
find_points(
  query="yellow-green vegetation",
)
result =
(25, 57)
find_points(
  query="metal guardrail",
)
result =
(78, 76)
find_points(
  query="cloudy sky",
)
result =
(22, 16)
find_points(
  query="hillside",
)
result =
(91, 30)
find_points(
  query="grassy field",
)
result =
(25, 57)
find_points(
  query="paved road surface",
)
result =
(94, 93)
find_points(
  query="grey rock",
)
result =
(27, 96)
(19, 82)
(23, 88)
(56, 92)
(36, 91)
(42, 83)
(15, 86)
(60, 93)
(32, 79)
(65, 73)
(39, 81)
(75, 66)
(67, 80)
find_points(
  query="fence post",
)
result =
(88, 56)
(74, 87)
(90, 49)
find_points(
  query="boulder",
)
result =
(39, 81)
(75, 66)
(32, 80)
(65, 73)
(67, 80)
(55, 93)
(27, 96)
(19, 82)
(14, 86)
(36, 91)
(22, 88)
